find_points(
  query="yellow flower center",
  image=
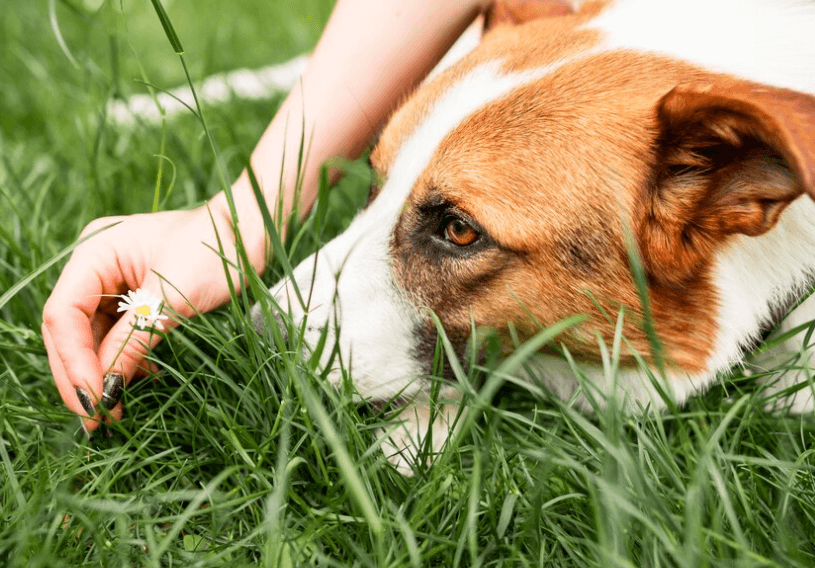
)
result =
(143, 310)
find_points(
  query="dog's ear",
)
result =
(730, 156)
(513, 12)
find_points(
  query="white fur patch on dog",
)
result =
(768, 42)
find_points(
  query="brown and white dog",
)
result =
(513, 180)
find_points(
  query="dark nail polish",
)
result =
(112, 389)
(85, 401)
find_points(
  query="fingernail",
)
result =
(112, 389)
(85, 401)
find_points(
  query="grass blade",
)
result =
(169, 30)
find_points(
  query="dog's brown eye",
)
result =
(460, 233)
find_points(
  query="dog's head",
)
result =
(515, 186)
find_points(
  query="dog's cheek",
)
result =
(447, 287)
(432, 355)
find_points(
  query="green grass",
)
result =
(238, 454)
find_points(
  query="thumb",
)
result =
(123, 350)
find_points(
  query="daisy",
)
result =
(145, 306)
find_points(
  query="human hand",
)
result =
(170, 254)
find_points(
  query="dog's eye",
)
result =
(459, 232)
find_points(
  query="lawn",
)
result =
(239, 454)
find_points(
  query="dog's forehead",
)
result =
(420, 130)
(580, 136)
(504, 52)
(521, 150)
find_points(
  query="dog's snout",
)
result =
(263, 326)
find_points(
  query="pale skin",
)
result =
(371, 54)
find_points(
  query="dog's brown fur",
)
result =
(559, 205)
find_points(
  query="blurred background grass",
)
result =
(62, 61)
(63, 57)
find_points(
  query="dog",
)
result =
(522, 184)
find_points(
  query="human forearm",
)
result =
(371, 54)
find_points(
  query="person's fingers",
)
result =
(72, 327)
(115, 414)
(70, 344)
(93, 350)
(123, 350)
(101, 323)
(122, 354)
(66, 389)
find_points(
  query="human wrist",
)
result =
(250, 225)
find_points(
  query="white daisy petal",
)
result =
(145, 306)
